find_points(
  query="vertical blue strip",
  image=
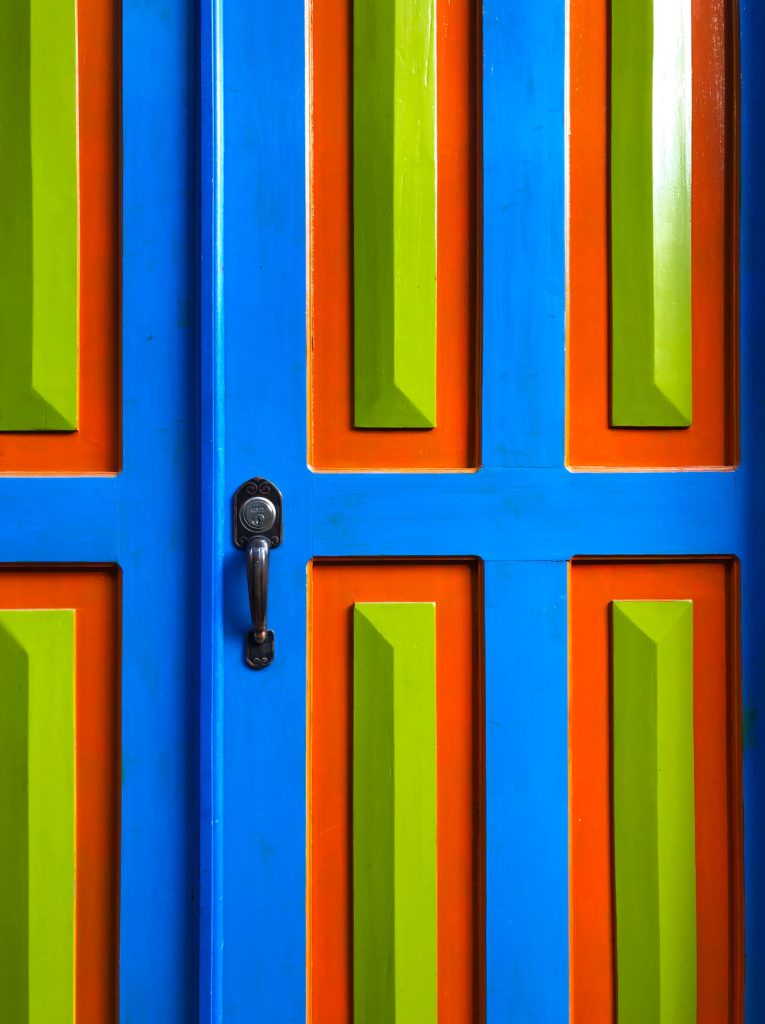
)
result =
(526, 792)
(524, 71)
(155, 528)
(752, 284)
(264, 917)
(212, 515)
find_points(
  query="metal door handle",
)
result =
(258, 549)
(258, 528)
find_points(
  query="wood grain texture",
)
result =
(334, 442)
(394, 213)
(37, 787)
(653, 811)
(711, 439)
(74, 612)
(712, 588)
(335, 588)
(94, 445)
(39, 217)
(651, 103)
(395, 929)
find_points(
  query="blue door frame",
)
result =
(533, 514)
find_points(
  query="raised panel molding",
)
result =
(395, 906)
(393, 234)
(38, 217)
(394, 813)
(59, 795)
(37, 816)
(651, 111)
(655, 781)
(394, 212)
(654, 812)
(60, 313)
(652, 234)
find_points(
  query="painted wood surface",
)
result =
(334, 442)
(84, 604)
(394, 213)
(93, 355)
(522, 498)
(335, 588)
(395, 927)
(650, 179)
(158, 966)
(103, 520)
(39, 218)
(654, 811)
(37, 782)
(711, 439)
(601, 975)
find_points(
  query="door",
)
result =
(482, 311)
(98, 511)
(425, 335)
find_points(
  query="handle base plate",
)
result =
(259, 655)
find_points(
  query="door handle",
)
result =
(258, 529)
(258, 550)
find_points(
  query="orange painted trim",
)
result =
(94, 594)
(334, 587)
(712, 439)
(334, 443)
(95, 447)
(713, 588)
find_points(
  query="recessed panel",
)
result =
(395, 814)
(59, 795)
(392, 226)
(652, 234)
(655, 793)
(59, 231)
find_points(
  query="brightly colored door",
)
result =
(432, 330)
(482, 311)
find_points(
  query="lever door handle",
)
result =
(258, 528)
(260, 636)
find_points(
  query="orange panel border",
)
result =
(94, 595)
(95, 446)
(713, 587)
(334, 442)
(334, 587)
(712, 439)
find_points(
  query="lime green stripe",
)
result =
(651, 100)
(395, 969)
(38, 216)
(654, 812)
(14, 843)
(373, 869)
(37, 816)
(394, 199)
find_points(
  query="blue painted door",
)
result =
(523, 514)
(118, 525)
